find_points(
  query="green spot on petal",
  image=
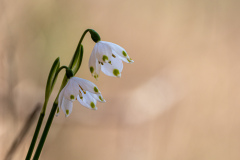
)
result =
(116, 72)
(81, 97)
(95, 89)
(91, 69)
(92, 105)
(67, 111)
(100, 98)
(105, 58)
(95, 76)
(72, 96)
(124, 53)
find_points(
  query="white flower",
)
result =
(83, 90)
(108, 57)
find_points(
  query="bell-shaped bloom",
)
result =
(79, 89)
(108, 57)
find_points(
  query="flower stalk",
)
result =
(34, 139)
(50, 83)
(74, 66)
(45, 132)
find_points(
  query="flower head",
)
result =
(83, 90)
(108, 57)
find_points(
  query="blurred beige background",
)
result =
(179, 100)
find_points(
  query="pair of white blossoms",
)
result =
(106, 56)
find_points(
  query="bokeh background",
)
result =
(178, 100)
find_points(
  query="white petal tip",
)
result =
(130, 60)
(103, 100)
(95, 76)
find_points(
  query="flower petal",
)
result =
(94, 66)
(80, 100)
(71, 90)
(114, 69)
(103, 52)
(87, 101)
(119, 51)
(67, 106)
(125, 59)
(86, 85)
(98, 97)
(60, 97)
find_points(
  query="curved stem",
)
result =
(83, 35)
(54, 108)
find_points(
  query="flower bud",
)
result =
(94, 35)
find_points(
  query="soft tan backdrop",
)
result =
(179, 100)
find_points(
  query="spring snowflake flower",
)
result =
(79, 89)
(108, 57)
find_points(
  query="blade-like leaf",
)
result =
(77, 59)
(51, 78)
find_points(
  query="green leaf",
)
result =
(52, 78)
(77, 59)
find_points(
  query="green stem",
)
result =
(53, 111)
(45, 132)
(34, 139)
(83, 35)
(40, 120)
(48, 124)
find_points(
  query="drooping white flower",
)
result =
(83, 90)
(108, 57)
